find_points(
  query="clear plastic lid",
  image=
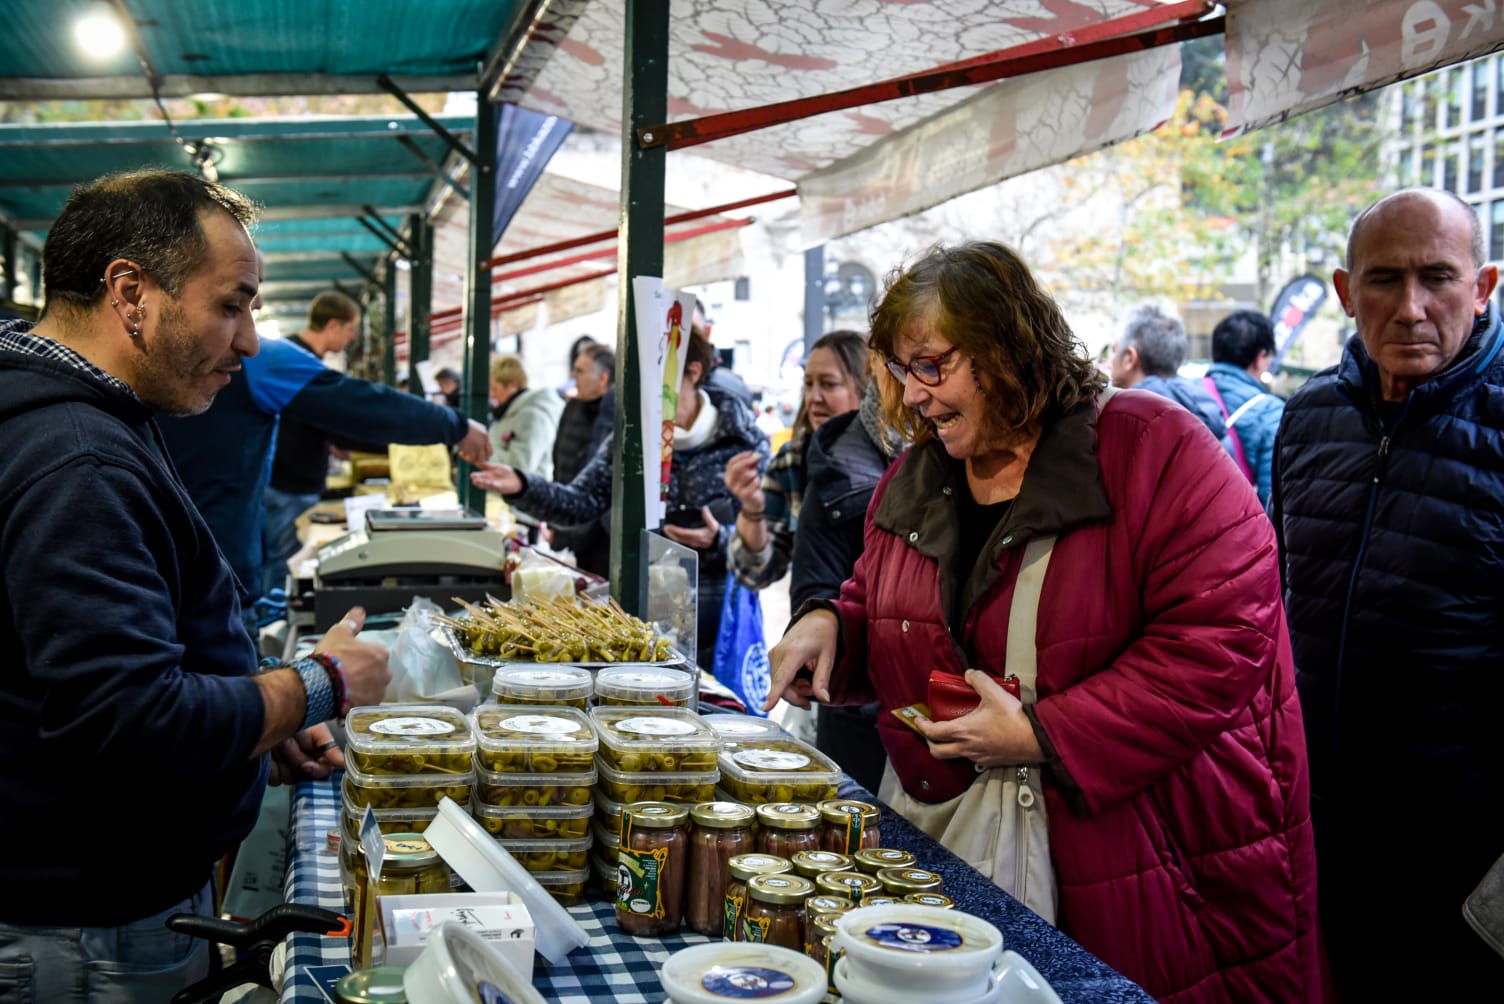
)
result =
(404, 791)
(528, 790)
(637, 740)
(655, 786)
(745, 728)
(408, 739)
(777, 770)
(633, 683)
(536, 684)
(512, 738)
(534, 822)
(725, 971)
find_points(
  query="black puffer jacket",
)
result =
(1391, 533)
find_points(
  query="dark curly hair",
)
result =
(982, 298)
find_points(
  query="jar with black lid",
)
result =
(774, 914)
(653, 863)
(719, 831)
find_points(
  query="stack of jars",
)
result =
(400, 760)
(535, 768)
(647, 754)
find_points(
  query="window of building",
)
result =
(1451, 154)
(1477, 149)
(1427, 89)
(1409, 104)
(1496, 231)
(1479, 109)
(1453, 108)
(1498, 85)
(1428, 167)
(1499, 158)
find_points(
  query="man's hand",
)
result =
(476, 446)
(311, 755)
(996, 734)
(364, 663)
(701, 538)
(810, 644)
(496, 478)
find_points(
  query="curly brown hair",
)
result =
(982, 298)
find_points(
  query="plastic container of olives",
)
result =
(534, 822)
(405, 739)
(527, 683)
(604, 873)
(634, 684)
(533, 739)
(607, 841)
(777, 770)
(568, 887)
(529, 790)
(404, 791)
(733, 728)
(387, 821)
(551, 855)
(638, 740)
(655, 786)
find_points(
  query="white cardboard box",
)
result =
(499, 917)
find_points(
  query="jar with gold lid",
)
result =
(931, 899)
(874, 859)
(812, 863)
(821, 946)
(741, 869)
(719, 831)
(774, 914)
(377, 985)
(850, 885)
(848, 826)
(409, 866)
(908, 881)
(786, 828)
(653, 860)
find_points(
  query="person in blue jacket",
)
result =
(1242, 349)
(1388, 505)
(135, 726)
(224, 454)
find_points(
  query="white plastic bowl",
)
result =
(858, 990)
(916, 952)
(1020, 983)
(723, 972)
(457, 966)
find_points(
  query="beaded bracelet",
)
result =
(336, 673)
(753, 513)
(317, 689)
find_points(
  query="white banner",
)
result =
(1011, 128)
(1285, 57)
(663, 317)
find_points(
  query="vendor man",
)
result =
(134, 726)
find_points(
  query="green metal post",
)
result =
(640, 252)
(388, 361)
(478, 284)
(420, 298)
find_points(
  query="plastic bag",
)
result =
(424, 670)
(741, 653)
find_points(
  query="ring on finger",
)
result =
(325, 747)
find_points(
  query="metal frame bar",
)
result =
(387, 84)
(434, 167)
(396, 245)
(478, 283)
(420, 295)
(360, 269)
(1110, 38)
(401, 246)
(611, 252)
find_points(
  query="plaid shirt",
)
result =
(782, 490)
(16, 336)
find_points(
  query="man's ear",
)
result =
(1488, 278)
(1339, 280)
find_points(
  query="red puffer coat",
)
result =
(1177, 784)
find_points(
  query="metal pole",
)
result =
(388, 361)
(640, 252)
(420, 298)
(478, 285)
(814, 296)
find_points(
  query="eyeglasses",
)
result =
(926, 369)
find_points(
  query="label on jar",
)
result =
(639, 878)
(756, 929)
(731, 911)
(412, 726)
(771, 760)
(645, 726)
(855, 823)
(914, 937)
(746, 982)
(550, 725)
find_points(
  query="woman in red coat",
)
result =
(1162, 724)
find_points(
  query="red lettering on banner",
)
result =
(1067, 17)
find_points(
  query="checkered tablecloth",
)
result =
(613, 967)
(618, 967)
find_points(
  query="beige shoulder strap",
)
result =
(1023, 615)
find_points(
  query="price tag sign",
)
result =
(373, 842)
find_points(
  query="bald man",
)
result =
(1388, 501)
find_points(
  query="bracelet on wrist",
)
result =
(337, 684)
(318, 692)
(753, 513)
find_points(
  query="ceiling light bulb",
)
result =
(98, 31)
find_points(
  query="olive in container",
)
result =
(513, 739)
(719, 831)
(645, 686)
(553, 686)
(652, 866)
(655, 785)
(406, 739)
(777, 770)
(403, 791)
(643, 740)
(534, 822)
(533, 790)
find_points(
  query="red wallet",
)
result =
(950, 696)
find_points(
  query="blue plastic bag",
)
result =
(741, 653)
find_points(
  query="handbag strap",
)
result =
(1023, 615)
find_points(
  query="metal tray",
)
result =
(464, 653)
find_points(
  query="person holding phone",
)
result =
(709, 429)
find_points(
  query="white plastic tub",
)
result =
(723, 972)
(457, 966)
(905, 951)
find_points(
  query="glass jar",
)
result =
(824, 902)
(740, 870)
(775, 910)
(874, 859)
(408, 866)
(809, 864)
(821, 946)
(931, 899)
(719, 831)
(848, 885)
(848, 826)
(653, 860)
(882, 899)
(908, 881)
(379, 985)
(786, 828)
